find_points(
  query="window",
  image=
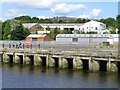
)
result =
(75, 39)
(96, 28)
(34, 39)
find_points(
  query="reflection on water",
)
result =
(35, 77)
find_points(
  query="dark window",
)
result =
(75, 39)
(34, 39)
(96, 28)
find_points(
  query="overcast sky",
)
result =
(50, 8)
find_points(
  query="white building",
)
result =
(93, 26)
(60, 26)
(87, 38)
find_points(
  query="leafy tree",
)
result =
(65, 31)
(13, 30)
(80, 20)
(6, 30)
(112, 31)
(35, 19)
(26, 32)
(0, 30)
(53, 33)
(41, 21)
(62, 32)
(48, 28)
(110, 23)
(17, 30)
(118, 23)
(24, 19)
(81, 32)
(60, 21)
(17, 33)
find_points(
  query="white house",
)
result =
(93, 26)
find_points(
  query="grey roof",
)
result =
(86, 35)
(29, 25)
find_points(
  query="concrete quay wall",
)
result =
(61, 60)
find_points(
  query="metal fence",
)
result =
(47, 44)
(56, 46)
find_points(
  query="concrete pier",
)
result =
(70, 61)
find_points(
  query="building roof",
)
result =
(36, 35)
(86, 35)
(43, 35)
(92, 21)
(29, 25)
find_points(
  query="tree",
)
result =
(80, 20)
(26, 32)
(13, 30)
(17, 30)
(35, 19)
(65, 31)
(53, 33)
(6, 30)
(0, 30)
(118, 23)
(24, 19)
(81, 32)
(17, 33)
(60, 21)
(110, 23)
(48, 28)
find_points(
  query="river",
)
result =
(16, 76)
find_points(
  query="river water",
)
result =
(16, 76)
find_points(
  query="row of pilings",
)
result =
(75, 62)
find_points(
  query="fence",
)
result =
(45, 44)
(54, 46)
(58, 47)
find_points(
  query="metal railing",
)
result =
(57, 46)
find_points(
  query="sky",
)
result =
(92, 9)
